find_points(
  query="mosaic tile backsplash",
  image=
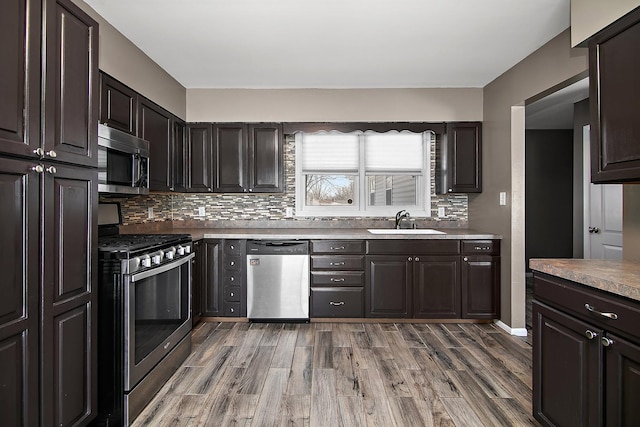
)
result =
(265, 207)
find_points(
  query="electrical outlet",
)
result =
(150, 212)
(288, 212)
(201, 211)
(441, 213)
(503, 198)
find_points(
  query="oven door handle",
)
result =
(161, 269)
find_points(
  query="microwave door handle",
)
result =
(135, 170)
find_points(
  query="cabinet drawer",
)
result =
(337, 302)
(337, 246)
(231, 278)
(338, 278)
(489, 247)
(232, 262)
(413, 247)
(232, 247)
(344, 262)
(574, 297)
(232, 293)
(232, 309)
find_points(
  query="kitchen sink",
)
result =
(404, 231)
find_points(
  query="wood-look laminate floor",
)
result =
(348, 374)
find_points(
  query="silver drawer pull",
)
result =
(607, 342)
(590, 334)
(337, 263)
(333, 279)
(600, 313)
(337, 248)
(336, 303)
(482, 248)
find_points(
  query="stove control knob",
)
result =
(156, 259)
(180, 250)
(146, 262)
(170, 254)
(187, 249)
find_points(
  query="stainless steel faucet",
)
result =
(400, 216)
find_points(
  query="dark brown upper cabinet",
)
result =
(156, 126)
(248, 158)
(459, 159)
(70, 84)
(20, 77)
(179, 157)
(118, 105)
(199, 158)
(614, 94)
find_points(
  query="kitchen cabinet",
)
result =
(337, 278)
(156, 126)
(197, 274)
(389, 285)
(211, 291)
(459, 159)
(49, 123)
(199, 158)
(248, 158)
(233, 273)
(586, 355)
(614, 97)
(118, 105)
(179, 147)
(480, 275)
(436, 293)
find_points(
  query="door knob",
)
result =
(595, 230)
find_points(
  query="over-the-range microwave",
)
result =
(123, 162)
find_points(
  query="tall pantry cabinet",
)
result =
(48, 222)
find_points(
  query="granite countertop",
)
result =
(617, 277)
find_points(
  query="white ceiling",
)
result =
(336, 43)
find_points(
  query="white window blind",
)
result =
(394, 151)
(330, 151)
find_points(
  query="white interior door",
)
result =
(602, 213)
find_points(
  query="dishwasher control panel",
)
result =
(277, 247)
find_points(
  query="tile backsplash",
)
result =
(263, 207)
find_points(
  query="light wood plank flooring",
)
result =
(348, 374)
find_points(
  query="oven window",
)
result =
(162, 305)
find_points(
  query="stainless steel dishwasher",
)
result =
(277, 280)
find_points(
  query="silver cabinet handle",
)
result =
(607, 342)
(38, 152)
(590, 334)
(51, 154)
(333, 279)
(336, 303)
(337, 263)
(51, 169)
(337, 248)
(590, 308)
(465, 259)
(417, 259)
(410, 259)
(38, 168)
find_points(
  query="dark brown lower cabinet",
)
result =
(389, 284)
(586, 355)
(47, 322)
(480, 281)
(211, 291)
(343, 301)
(436, 287)
(197, 268)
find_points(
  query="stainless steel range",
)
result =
(144, 319)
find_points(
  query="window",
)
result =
(362, 173)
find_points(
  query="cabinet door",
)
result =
(118, 105)
(614, 98)
(19, 265)
(622, 372)
(388, 280)
(197, 274)
(156, 127)
(20, 77)
(70, 84)
(480, 287)
(266, 158)
(230, 156)
(464, 158)
(199, 158)
(211, 290)
(436, 287)
(69, 339)
(178, 142)
(566, 370)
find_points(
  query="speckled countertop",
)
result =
(618, 277)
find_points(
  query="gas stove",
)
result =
(137, 252)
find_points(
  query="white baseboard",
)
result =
(519, 332)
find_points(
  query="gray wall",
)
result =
(548, 194)
(590, 16)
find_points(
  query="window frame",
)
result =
(361, 206)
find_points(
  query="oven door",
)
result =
(157, 316)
